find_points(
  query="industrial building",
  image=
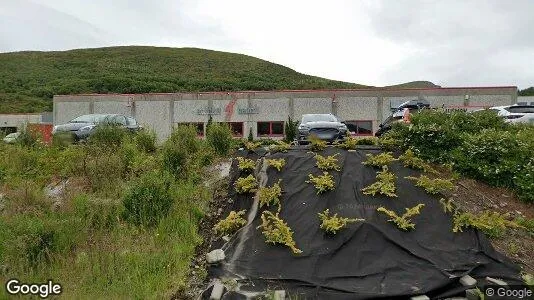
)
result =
(264, 112)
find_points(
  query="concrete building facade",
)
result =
(264, 112)
(15, 122)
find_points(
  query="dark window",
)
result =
(199, 127)
(360, 127)
(270, 128)
(237, 128)
(521, 109)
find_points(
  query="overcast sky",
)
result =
(448, 42)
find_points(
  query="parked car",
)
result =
(324, 126)
(83, 126)
(11, 138)
(516, 113)
(398, 113)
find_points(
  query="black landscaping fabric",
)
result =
(366, 260)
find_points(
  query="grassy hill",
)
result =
(28, 80)
(414, 85)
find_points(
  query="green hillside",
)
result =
(28, 80)
(414, 85)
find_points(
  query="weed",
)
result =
(246, 164)
(276, 231)
(433, 186)
(410, 160)
(280, 146)
(327, 163)
(379, 160)
(403, 222)
(322, 183)
(316, 144)
(332, 224)
(231, 223)
(528, 224)
(447, 205)
(219, 137)
(491, 223)
(246, 184)
(107, 136)
(270, 195)
(278, 164)
(384, 185)
(146, 140)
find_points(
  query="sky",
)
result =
(373, 42)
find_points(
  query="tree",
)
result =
(291, 129)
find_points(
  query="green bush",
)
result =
(175, 159)
(146, 140)
(107, 136)
(186, 137)
(291, 130)
(28, 138)
(148, 200)
(219, 137)
(524, 182)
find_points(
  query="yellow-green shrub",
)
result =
(410, 160)
(384, 185)
(316, 144)
(246, 184)
(403, 222)
(322, 183)
(278, 164)
(276, 231)
(270, 195)
(332, 224)
(246, 164)
(327, 163)
(433, 186)
(491, 223)
(231, 223)
(379, 160)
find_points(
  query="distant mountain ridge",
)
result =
(29, 79)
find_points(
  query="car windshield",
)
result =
(318, 118)
(89, 119)
(521, 109)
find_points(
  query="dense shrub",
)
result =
(175, 159)
(524, 182)
(219, 137)
(148, 200)
(186, 137)
(107, 136)
(146, 140)
(28, 138)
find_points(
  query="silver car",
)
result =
(516, 113)
(324, 126)
(83, 126)
(11, 138)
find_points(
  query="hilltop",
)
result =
(28, 80)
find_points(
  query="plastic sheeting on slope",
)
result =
(367, 259)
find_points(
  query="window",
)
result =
(360, 127)
(237, 128)
(199, 126)
(270, 128)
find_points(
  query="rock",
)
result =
(468, 281)
(215, 256)
(472, 294)
(503, 204)
(217, 291)
(420, 297)
(226, 238)
(219, 211)
(496, 281)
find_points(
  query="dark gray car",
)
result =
(83, 126)
(324, 126)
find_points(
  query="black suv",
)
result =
(324, 126)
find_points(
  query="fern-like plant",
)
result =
(332, 224)
(278, 164)
(379, 160)
(316, 144)
(270, 195)
(410, 160)
(322, 183)
(246, 164)
(231, 223)
(280, 146)
(446, 205)
(349, 143)
(433, 186)
(403, 222)
(327, 163)
(276, 231)
(385, 184)
(246, 184)
(491, 223)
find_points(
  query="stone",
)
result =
(217, 291)
(472, 294)
(215, 256)
(496, 281)
(420, 297)
(468, 280)
(280, 295)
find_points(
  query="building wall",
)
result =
(163, 111)
(19, 120)
(528, 99)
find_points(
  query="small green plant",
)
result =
(528, 224)
(410, 160)
(270, 195)
(316, 144)
(349, 143)
(219, 137)
(491, 223)
(246, 164)
(447, 205)
(371, 141)
(322, 183)
(327, 163)
(384, 185)
(332, 224)
(246, 184)
(403, 222)
(278, 164)
(379, 160)
(251, 146)
(231, 223)
(146, 140)
(291, 130)
(276, 231)
(280, 146)
(433, 186)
